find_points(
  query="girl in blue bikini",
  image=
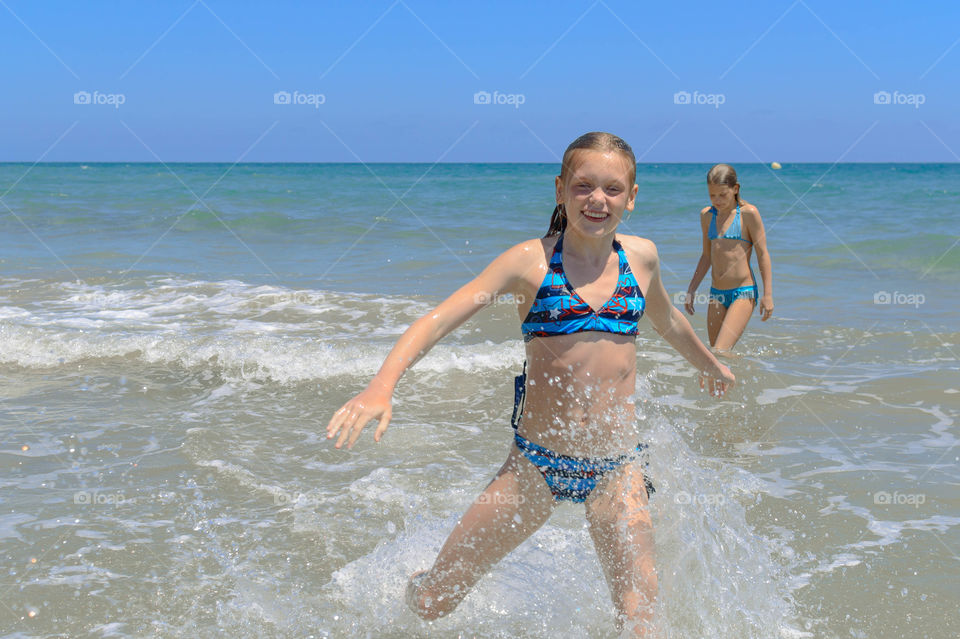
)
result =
(733, 293)
(576, 435)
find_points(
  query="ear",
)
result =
(559, 185)
(633, 197)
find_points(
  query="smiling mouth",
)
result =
(595, 216)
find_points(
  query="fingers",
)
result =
(349, 419)
(349, 425)
(716, 386)
(382, 426)
(358, 420)
(336, 421)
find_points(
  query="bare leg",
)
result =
(623, 535)
(733, 323)
(715, 314)
(511, 508)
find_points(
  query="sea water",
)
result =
(174, 339)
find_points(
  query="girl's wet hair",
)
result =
(724, 175)
(594, 141)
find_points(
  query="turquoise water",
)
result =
(337, 226)
(174, 338)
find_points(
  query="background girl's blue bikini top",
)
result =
(733, 232)
(559, 310)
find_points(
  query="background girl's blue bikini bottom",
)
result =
(727, 296)
(572, 478)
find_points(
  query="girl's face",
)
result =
(596, 192)
(723, 197)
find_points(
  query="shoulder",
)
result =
(639, 250)
(531, 251)
(749, 211)
(526, 257)
(706, 215)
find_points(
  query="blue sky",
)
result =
(397, 80)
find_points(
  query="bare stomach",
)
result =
(730, 265)
(579, 394)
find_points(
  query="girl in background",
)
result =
(733, 290)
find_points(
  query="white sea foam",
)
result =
(240, 331)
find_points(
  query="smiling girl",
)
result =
(581, 291)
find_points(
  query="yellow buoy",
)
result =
(774, 165)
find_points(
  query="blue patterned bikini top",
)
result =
(559, 310)
(733, 232)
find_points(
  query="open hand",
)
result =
(718, 382)
(356, 413)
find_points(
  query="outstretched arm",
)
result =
(703, 265)
(374, 401)
(670, 324)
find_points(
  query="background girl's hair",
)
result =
(723, 175)
(594, 141)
